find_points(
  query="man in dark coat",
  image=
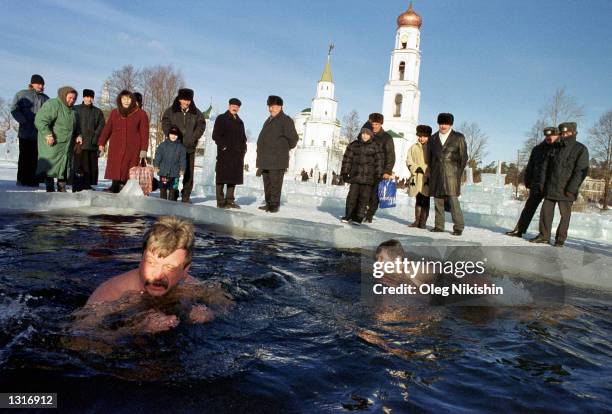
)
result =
(25, 105)
(565, 173)
(362, 167)
(189, 119)
(385, 142)
(534, 179)
(277, 137)
(231, 140)
(91, 121)
(447, 160)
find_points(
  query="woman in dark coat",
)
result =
(127, 131)
(231, 140)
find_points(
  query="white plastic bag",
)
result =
(132, 188)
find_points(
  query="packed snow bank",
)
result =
(575, 265)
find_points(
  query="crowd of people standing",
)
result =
(60, 141)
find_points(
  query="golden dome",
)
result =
(409, 18)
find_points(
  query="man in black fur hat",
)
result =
(91, 120)
(447, 160)
(189, 119)
(277, 137)
(387, 146)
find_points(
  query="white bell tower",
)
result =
(402, 97)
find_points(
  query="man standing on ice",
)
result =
(277, 137)
(534, 180)
(25, 105)
(385, 142)
(189, 119)
(91, 121)
(447, 158)
(564, 175)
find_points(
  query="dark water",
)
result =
(297, 340)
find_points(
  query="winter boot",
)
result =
(163, 193)
(50, 185)
(424, 217)
(61, 186)
(417, 216)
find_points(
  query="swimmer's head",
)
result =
(389, 251)
(166, 256)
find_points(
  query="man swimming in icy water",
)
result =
(160, 282)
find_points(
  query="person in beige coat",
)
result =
(417, 161)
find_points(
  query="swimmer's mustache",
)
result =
(158, 283)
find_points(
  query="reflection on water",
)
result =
(297, 339)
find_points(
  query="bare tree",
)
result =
(161, 84)
(476, 141)
(534, 136)
(127, 77)
(600, 143)
(6, 119)
(561, 108)
(351, 125)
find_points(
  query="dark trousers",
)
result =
(357, 201)
(188, 177)
(421, 209)
(273, 185)
(229, 196)
(86, 163)
(27, 163)
(455, 210)
(373, 203)
(531, 205)
(547, 213)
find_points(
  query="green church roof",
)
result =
(207, 112)
(306, 110)
(394, 134)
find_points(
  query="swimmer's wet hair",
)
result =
(169, 234)
(393, 248)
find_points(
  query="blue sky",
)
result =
(488, 61)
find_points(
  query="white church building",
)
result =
(402, 97)
(320, 147)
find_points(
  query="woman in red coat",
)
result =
(127, 129)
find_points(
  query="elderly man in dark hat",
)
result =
(447, 160)
(25, 105)
(385, 142)
(189, 119)
(565, 173)
(231, 140)
(277, 137)
(91, 121)
(534, 179)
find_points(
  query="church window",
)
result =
(324, 142)
(398, 105)
(402, 70)
(404, 44)
(312, 142)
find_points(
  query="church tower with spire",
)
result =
(319, 130)
(402, 97)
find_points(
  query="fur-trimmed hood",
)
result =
(63, 92)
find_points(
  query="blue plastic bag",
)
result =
(386, 193)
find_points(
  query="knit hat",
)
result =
(275, 100)
(423, 130)
(185, 94)
(88, 92)
(445, 119)
(235, 101)
(376, 117)
(175, 131)
(366, 131)
(37, 79)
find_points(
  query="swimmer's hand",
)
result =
(158, 322)
(201, 314)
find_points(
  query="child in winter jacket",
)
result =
(170, 163)
(362, 167)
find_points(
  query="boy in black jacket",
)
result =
(362, 167)
(170, 162)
